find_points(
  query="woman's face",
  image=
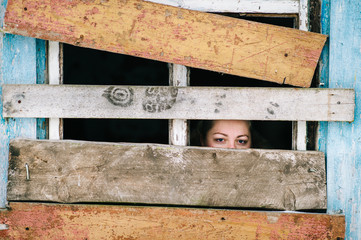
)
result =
(229, 134)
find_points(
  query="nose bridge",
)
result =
(231, 144)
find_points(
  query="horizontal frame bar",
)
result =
(154, 102)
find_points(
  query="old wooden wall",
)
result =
(18, 64)
(341, 141)
(341, 19)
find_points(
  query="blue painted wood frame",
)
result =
(18, 64)
(343, 139)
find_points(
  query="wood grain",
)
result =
(85, 101)
(55, 221)
(170, 34)
(74, 171)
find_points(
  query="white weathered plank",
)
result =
(300, 129)
(75, 171)
(55, 76)
(178, 128)
(141, 102)
(242, 6)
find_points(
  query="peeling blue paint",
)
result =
(343, 139)
(17, 65)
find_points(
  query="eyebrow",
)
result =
(245, 135)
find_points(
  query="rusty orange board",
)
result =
(170, 34)
(52, 221)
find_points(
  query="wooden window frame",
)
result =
(179, 74)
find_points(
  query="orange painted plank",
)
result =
(169, 34)
(51, 221)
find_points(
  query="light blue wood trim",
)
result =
(41, 78)
(324, 69)
(17, 65)
(344, 139)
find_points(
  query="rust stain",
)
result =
(216, 49)
(237, 40)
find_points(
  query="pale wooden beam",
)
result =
(75, 171)
(241, 6)
(55, 78)
(141, 102)
(175, 35)
(178, 128)
(37, 221)
(300, 127)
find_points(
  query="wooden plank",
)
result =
(74, 171)
(241, 6)
(17, 65)
(148, 102)
(343, 139)
(55, 78)
(179, 128)
(299, 134)
(55, 221)
(165, 33)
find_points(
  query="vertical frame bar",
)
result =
(324, 71)
(300, 127)
(55, 77)
(41, 78)
(178, 128)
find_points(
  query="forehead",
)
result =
(230, 125)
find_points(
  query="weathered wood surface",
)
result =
(80, 101)
(169, 34)
(241, 6)
(56, 221)
(74, 171)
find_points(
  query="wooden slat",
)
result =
(165, 33)
(73, 171)
(241, 6)
(50, 221)
(80, 101)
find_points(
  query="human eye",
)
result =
(242, 141)
(220, 140)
